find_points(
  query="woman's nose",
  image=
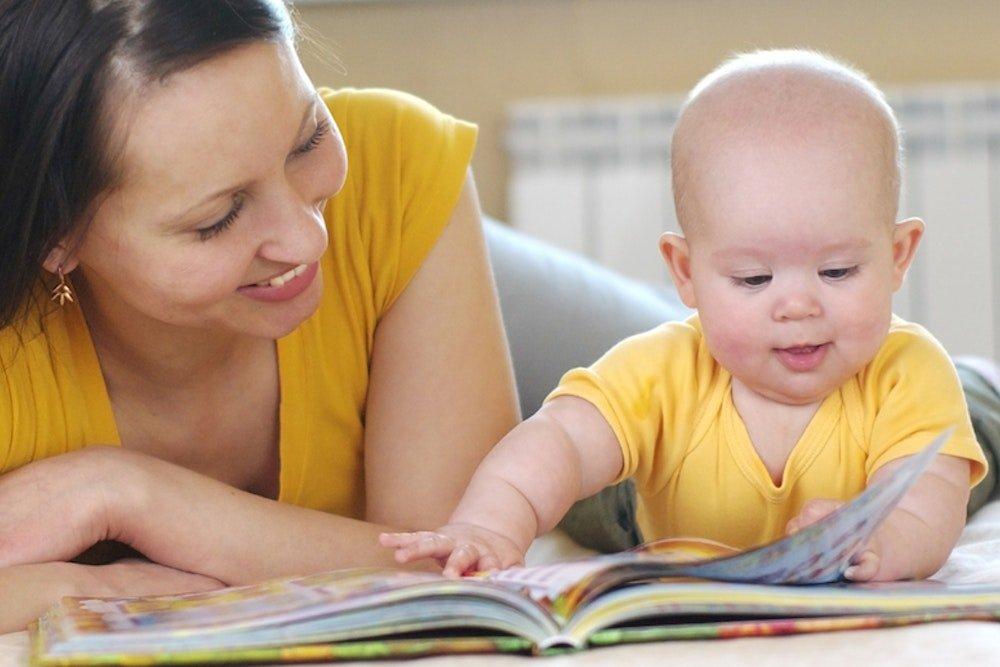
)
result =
(294, 231)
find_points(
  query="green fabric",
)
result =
(606, 521)
(984, 409)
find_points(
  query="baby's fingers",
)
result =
(396, 540)
(424, 545)
(462, 559)
(863, 567)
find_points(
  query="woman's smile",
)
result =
(284, 287)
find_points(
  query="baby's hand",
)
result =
(460, 548)
(864, 564)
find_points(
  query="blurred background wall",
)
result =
(481, 59)
(472, 58)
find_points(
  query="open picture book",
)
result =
(669, 589)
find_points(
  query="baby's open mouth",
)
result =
(802, 358)
(801, 349)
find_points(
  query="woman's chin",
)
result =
(277, 320)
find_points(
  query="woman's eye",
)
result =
(752, 281)
(839, 274)
(316, 139)
(206, 233)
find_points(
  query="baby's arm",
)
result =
(524, 486)
(915, 539)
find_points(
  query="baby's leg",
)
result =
(981, 383)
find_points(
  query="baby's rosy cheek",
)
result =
(731, 344)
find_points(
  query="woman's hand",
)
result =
(135, 576)
(56, 508)
(28, 591)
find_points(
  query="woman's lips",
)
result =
(802, 358)
(289, 289)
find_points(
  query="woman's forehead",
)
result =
(218, 121)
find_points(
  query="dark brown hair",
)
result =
(58, 61)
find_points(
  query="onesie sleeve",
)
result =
(916, 394)
(645, 387)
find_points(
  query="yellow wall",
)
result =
(472, 57)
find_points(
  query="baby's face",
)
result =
(792, 266)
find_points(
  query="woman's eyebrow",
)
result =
(309, 112)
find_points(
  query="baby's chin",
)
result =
(805, 391)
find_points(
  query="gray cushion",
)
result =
(562, 310)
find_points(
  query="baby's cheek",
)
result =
(730, 343)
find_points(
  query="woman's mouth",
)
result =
(285, 277)
(802, 358)
(283, 287)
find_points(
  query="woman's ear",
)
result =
(60, 257)
(677, 255)
(905, 238)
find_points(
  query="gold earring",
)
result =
(62, 292)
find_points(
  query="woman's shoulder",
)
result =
(384, 102)
(365, 114)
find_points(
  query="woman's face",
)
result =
(217, 223)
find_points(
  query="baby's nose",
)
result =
(797, 305)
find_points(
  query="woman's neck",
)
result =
(136, 349)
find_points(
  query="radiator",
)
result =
(593, 176)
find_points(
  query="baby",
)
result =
(792, 388)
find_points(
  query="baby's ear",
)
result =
(674, 249)
(905, 238)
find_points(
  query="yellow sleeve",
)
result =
(913, 393)
(646, 388)
(407, 163)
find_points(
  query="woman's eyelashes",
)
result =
(322, 129)
(206, 233)
(214, 230)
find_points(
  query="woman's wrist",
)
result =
(127, 499)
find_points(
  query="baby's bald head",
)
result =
(811, 118)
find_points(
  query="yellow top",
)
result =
(406, 166)
(696, 471)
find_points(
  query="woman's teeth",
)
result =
(279, 281)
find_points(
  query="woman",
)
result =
(272, 306)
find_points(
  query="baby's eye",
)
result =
(752, 281)
(839, 274)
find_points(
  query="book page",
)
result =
(816, 554)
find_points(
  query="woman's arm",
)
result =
(441, 395)
(442, 386)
